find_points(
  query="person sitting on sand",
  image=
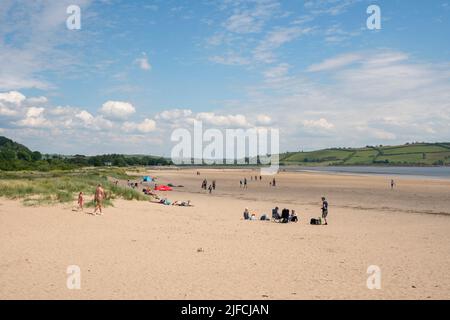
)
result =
(293, 217)
(275, 215)
(253, 217)
(324, 210)
(285, 215)
(246, 214)
(98, 199)
(80, 201)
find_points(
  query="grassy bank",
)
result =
(43, 188)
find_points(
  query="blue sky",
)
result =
(136, 70)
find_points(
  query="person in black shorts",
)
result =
(324, 210)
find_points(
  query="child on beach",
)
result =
(80, 201)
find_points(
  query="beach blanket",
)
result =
(163, 188)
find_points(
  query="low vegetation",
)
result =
(63, 186)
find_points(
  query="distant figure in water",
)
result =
(392, 183)
(80, 201)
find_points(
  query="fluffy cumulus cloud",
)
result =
(34, 117)
(117, 109)
(146, 126)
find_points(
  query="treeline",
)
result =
(14, 156)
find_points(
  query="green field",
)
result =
(416, 154)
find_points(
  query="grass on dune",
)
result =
(37, 188)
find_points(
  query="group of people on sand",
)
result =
(211, 187)
(99, 197)
(243, 182)
(286, 215)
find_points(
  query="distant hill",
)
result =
(415, 154)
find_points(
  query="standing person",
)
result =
(245, 183)
(214, 184)
(324, 210)
(260, 178)
(274, 182)
(392, 184)
(240, 183)
(98, 199)
(80, 201)
(210, 188)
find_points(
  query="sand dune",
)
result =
(142, 250)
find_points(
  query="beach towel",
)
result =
(163, 188)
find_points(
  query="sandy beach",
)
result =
(143, 250)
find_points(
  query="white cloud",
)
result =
(276, 38)
(37, 100)
(223, 120)
(146, 126)
(321, 123)
(117, 109)
(34, 118)
(173, 114)
(335, 63)
(251, 20)
(277, 73)
(143, 62)
(263, 119)
(85, 116)
(230, 58)
(13, 97)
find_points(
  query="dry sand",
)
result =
(142, 250)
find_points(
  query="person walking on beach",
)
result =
(214, 184)
(273, 182)
(98, 199)
(80, 201)
(210, 188)
(245, 183)
(240, 183)
(392, 184)
(324, 210)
